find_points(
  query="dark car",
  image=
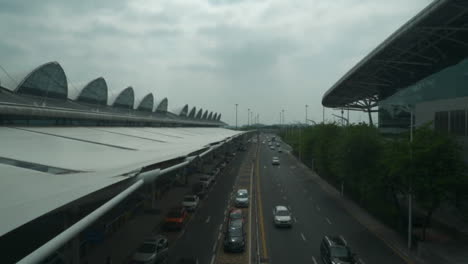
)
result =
(199, 189)
(235, 214)
(335, 250)
(234, 239)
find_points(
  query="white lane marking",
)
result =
(281, 190)
(225, 212)
(328, 220)
(318, 208)
(313, 260)
(303, 237)
(362, 261)
(215, 246)
(344, 239)
(220, 227)
(213, 259)
(208, 219)
(219, 236)
(264, 167)
(295, 220)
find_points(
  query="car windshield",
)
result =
(189, 199)
(339, 252)
(282, 213)
(147, 248)
(236, 215)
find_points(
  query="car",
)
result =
(275, 161)
(235, 214)
(152, 250)
(199, 189)
(280, 150)
(234, 238)
(272, 147)
(176, 218)
(335, 250)
(282, 216)
(190, 202)
(207, 180)
(242, 198)
(278, 144)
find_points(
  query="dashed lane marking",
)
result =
(212, 259)
(295, 220)
(303, 237)
(328, 220)
(318, 208)
(313, 260)
(208, 219)
(215, 246)
(220, 227)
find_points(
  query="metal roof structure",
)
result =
(192, 112)
(71, 162)
(182, 111)
(147, 103)
(94, 92)
(434, 39)
(219, 117)
(161, 106)
(125, 99)
(199, 114)
(205, 115)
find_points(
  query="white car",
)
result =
(153, 250)
(190, 202)
(275, 161)
(242, 198)
(282, 216)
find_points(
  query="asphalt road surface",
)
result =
(315, 215)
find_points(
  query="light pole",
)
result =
(306, 114)
(248, 116)
(236, 115)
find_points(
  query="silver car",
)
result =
(242, 198)
(282, 216)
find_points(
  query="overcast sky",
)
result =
(265, 55)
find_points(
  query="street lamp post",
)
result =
(248, 116)
(236, 115)
(306, 113)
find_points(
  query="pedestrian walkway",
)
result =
(391, 238)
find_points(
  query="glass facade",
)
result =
(162, 106)
(48, 80)
(451, 82)
(147, 103)
(95, 92)
(125, 99)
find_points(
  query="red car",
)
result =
(176, 218)
(236, 214)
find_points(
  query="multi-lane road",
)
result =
(315, 214)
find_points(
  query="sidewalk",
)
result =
(391, 238)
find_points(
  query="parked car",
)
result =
(207, 180)
(190, 202)
(199, 189)
(236, 214)
(176, 218)
(242, 198)
(282, 216)
(335, 250)
(275, 161)
(152, 250)
(280, 150)
(234, 239)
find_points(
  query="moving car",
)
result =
(176, 218)
(190, 202)
(335, 250)
(234, 239)
(242, 198)
(275, 161)
(152, 250)
(282, 216)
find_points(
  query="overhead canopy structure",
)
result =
(219, 117)
(199, 114)
(434, 39)
(94, 92)
(210, 116)
(82, 160)
(161, 106)
(215, 116)
(125, 99)
(147, 103)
